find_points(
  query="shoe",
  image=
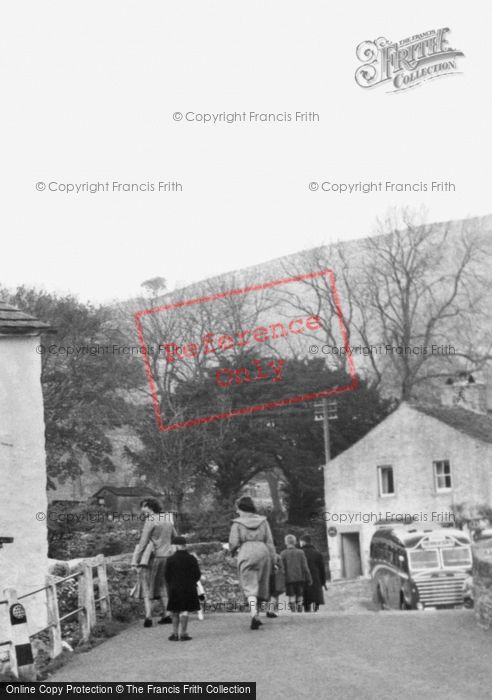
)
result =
(165, 620)
(255, 623)
(148, 622)
(173, 638)
(271, 614)
(185, 638)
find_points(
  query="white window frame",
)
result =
(380, 480)
(442, 489)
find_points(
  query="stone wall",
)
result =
(219, 578)
(482, 583)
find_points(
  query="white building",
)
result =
(414, 466)
(23, 503)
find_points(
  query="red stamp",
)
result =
(185, 342)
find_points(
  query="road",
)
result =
(429, 654)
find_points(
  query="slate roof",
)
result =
(128, 491)
(15, 322)
(475, 425)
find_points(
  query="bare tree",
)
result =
(415, 296)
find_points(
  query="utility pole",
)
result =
(326, 431)
(326, 410)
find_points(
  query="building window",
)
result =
(100, 501)
(442, 475)
(386, 481)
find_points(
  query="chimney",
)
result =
(465, 392)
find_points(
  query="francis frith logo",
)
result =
(406, 63)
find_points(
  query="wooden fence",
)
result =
(86, 606)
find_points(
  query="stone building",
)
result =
(124, 500)
(413, 467)
(23, 502)
(80, 488)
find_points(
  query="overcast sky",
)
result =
(89, 91)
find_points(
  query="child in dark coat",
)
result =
(182, 575)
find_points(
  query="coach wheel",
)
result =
(403, 603)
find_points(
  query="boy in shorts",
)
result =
(297, 574)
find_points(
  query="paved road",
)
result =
(431, 654)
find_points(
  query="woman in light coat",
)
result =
(157, 534)
(251, 539)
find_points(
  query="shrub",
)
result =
(106, 628)
(60, 569)
(68, 595)
(121, 579)
(97, 536)
(202, 548)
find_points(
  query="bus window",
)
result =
(424, 559)
(378, 550)
(456, 556)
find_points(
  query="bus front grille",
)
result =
(441, 589)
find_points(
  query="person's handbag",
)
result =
(146, 555)
(137, 590)
(280, 579)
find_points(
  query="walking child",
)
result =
(201, 597)
(182, 576)
(297, 574)
(200, 591)
(277, 586)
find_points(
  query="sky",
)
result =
(90, 89)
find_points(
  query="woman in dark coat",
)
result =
(313, 594)
(182, 575)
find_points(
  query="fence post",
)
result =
(53, 618)
(102, 577)
(90, 594)
(85, 629)
(86, 601)
(21, 656)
